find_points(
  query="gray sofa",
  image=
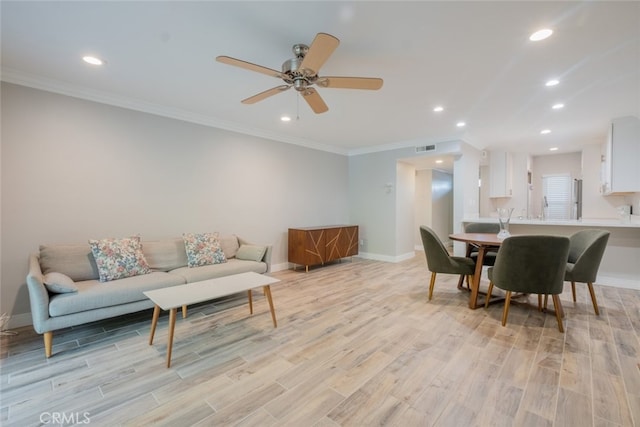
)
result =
(95, 300)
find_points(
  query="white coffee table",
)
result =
(181, 296)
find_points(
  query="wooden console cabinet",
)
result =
(318, 245)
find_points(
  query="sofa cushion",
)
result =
(165, 255)
(118, 258)
(229, 245)
(251, 252)
(232, 266)
(59, 283)
(76, 261)
(93, 294)
(203, 249)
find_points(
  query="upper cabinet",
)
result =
(500, 174)
(621, 163)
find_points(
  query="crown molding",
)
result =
(63, 88)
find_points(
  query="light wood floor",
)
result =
(357, 344)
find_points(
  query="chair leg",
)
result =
(505, 313)
(433, 282)
(486, 303)
(593, 298)
(546, 299)
(558, 309)
(539, 302)
(460, 281)
(573, 290)
(48, 343)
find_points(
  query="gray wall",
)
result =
(377, 210)
(73, 170)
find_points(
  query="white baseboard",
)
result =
(387, 258)
(618, 282)
(280, 267)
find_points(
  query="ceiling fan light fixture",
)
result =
(540, 35)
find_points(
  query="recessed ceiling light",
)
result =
(552, 82)
(540, 35)
(438, 161)
(461, 124)
(545, 131)
(438, 109)
(553, 149)
(557, 106)
(92, 60)
(285, 118)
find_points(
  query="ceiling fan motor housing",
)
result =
(292, 72)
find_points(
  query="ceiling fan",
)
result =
(301, 73)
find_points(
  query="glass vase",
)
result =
(504, 216)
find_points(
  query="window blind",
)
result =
(557, 190)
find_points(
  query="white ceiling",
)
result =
(474, 58)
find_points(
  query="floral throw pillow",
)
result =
(119, 258)
(203, 249)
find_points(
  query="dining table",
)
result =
(484, 242)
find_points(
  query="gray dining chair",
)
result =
(586, 248)
(439, 260)
(472, 252)
(530, 264)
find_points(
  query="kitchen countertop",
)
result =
(634, 222)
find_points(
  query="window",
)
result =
(556, 191)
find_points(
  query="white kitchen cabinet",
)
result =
(621, 163)
(500, 174)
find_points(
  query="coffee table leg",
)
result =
(172, 327)
(154, 322)
(250, 301)
(184, 311)
(267, 292)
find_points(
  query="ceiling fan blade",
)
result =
(321, 48)
(248, 66)
(369, 83)
(314, 100)
(267, 93)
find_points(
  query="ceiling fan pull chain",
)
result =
(297, 106)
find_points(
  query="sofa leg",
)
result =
(48, 343)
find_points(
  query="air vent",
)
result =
(425, 148)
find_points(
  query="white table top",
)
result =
(193, 293)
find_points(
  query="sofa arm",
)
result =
(267, 254)
(38, 295)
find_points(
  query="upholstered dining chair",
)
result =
(530, 264)
(586, 248)
(439, 260)
(482, 227)
(472, 252)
